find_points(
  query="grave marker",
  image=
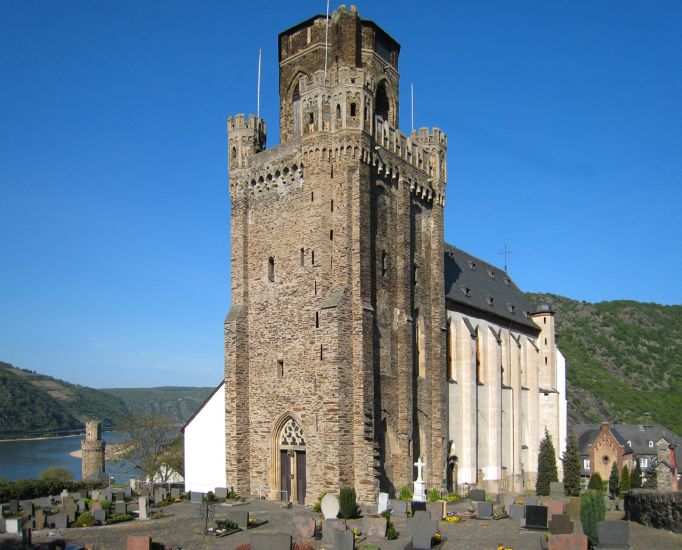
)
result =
(330, 506)
(220, 492)
(485, 510)
(422, 529)
(143, 508)
(304, 527)
(536, 517)
(100, 515)
(329, 526)
(577, 541)
(477, 495)
(398, 508)
(344, 540)
(270, 541)
(614, 534)
(560, 524)
(382, 503)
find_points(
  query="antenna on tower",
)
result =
(412, 103)
(326, 43)
(258, 94)
(506, 253)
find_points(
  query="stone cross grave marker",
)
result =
(419, 484)
(330, 506)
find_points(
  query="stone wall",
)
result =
(655, 509)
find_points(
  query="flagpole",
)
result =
(258, 95)
(412, 103)
(326, 43)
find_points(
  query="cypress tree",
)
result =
(651, 479)
(625, 484)
(614, 482)
(571, 462)
(596, 483)
(637, 475)
(547, 470)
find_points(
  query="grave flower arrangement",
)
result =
(453, 519)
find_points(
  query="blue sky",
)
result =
(564, 122)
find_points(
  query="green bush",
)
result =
(56, 473)
(614, 481)
(433, 495)
(86, 520)
(317, 505)
(596, 483)
(119, 518)
(391, 532)
(453, 497)
(592, 510)
(226, 524)
(27, 489)
(348, 504)
(625, 484)
(405, 493)
(547, 470)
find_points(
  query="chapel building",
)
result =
(357, 341)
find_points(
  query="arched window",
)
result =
(296, 107)
(234, 153)
(353, 109)
(271, 269)
(419, 344)
(338, 111)
(381, 103)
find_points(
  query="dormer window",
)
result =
(507, 281)
(466, 291)
(472, 265)
(491, 274)
(651, 444)
(511, 308)
(490, 300)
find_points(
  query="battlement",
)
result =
(434, 138)
(241, 122)
(245, 137)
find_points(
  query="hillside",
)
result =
(35, 404)
(624, 358)
(179, 403)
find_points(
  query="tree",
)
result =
(592, 511)
(625, 483)
(571, 462)
(614, 481)
(651, 481)
(637, 475)
(596, 483)
(56, 473)
(547, 470)
(147, 439)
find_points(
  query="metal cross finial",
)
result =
(506, 253)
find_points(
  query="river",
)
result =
(26, 458)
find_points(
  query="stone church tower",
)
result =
(335, 342)
(92, 451)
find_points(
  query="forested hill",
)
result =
(176, 402)
(624, 358)
(33, 404)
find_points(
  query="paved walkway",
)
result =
(183, 529)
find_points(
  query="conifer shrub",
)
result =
(348, 504)
(547, 470)
(636, 476)
(614, 481)
(596, 483)
(86, 520)
(651, 481)
(625, 484)
(592, 511)
(571, 461)
(405, 493)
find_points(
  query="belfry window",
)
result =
(353, 109)
(381, 104)
(271, 269)
(296, 108)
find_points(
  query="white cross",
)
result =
(419, 464)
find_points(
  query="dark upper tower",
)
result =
(358, 54)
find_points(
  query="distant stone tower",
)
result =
(92, 449)
(334, 342)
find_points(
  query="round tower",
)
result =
(92, 449)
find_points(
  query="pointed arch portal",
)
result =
(289, 459)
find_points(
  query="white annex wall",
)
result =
(205, 446)
(563, 402)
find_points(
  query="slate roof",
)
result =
(483, 286)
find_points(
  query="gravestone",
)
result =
(578, 541)
(175, 492)
(13, 506)
(607, 503)
(82, 506)
(195, 497)
(26, 506)
(560, 524)
(398, 508)
(100, 515)
(270, 541)
(531, 500)
(120, 507)
(13, 525)
(329, 526)
(128, 491)
(484, 510)
(159, 495)
(505, 499)
(330, 506)
(613, 535)
(38, 519)
(556, 490)
(96, 495)
(220, 492)
(240, 517)
(304, 527)
(572, 508)
(344, 540)
(76, 496)
(138, 542)
(71, 510)
(436, 509)
(57, 521)
(382, 503)
(536, 517)
(133, 506)
(422, 529)
(374, 527)
(119, 495)
(477, 495)
(555, 507)
(417, 506)
(143, 508)
(516, 512)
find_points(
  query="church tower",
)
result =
(335, 339)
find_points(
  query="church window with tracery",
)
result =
(292, 435)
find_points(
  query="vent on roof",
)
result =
(525, 314)
(490, 300)
(465, 290)
(491, 274)
(451, 255)
(511, 308)
(472, 265)
(507, 281)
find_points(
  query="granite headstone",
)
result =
(536, 517)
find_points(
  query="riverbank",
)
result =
(41, 438)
